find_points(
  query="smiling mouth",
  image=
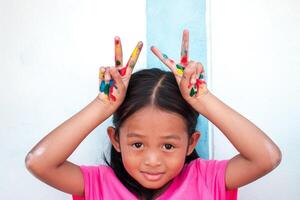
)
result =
(152, 176)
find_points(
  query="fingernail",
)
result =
(117, 40)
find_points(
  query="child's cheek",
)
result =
(175, 162)
(130, 155)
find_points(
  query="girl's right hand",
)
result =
(113, 81)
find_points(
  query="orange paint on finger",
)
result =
(101, 74)
(118, 52)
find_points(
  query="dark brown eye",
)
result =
(168, 146)
(137, 145)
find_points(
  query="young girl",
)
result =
(153, 140)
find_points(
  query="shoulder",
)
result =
(202, 179)
(207, 166)
(95, 178)
(212, 174)
(90, 171)
(208, 172)
(100, 182)
(204, 169)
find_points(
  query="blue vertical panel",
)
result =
(166, 21)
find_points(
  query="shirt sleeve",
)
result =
(214, 171)
(92, 183)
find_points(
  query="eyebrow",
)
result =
(176, 137)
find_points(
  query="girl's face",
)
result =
(153, 144)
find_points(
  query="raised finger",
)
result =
(127, 70)
(177, 69)
(118, 52)
(184, 55)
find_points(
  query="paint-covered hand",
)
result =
(189, 74)
(113, 81)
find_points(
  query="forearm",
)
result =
(249, 140)
(60, 143)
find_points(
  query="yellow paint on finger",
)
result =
(101, 74)
(134, 57)
(135, 53)
(179, 71)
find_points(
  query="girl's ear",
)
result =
(193, 142)
(111, 132)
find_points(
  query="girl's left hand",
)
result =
(189, 74)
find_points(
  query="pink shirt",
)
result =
(200, 179)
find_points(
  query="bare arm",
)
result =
(258, 153)
(47, 159)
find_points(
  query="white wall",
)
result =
(50, 52)
(255, 65)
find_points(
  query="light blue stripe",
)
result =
(165, 22)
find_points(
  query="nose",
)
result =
(152, 159)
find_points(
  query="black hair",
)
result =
(156, 88)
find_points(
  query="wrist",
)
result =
(202, 103)
(108, 106)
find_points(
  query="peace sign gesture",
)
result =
(189, 74)
(113, 81)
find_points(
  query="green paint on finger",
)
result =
(180, 67)
(201, 76)
(193, 92)
(165, 56)
(106, 89)
(118, 62)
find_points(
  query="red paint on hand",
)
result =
(117, 41)
(123, 70)
(184, 61)
(111, 96)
